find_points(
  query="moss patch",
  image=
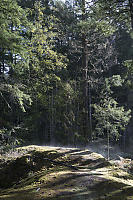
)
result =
(31, 175)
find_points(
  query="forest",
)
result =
(66, 99)
(66, 72)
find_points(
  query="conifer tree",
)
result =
(111, 119)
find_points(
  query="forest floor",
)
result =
(53, 173)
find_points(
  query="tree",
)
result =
(12, 24)
(112, 119)
(14, 96)
(45, 68)
(57, 56)
(87, 44)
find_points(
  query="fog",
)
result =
(99, 146)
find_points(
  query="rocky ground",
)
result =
(52, 173)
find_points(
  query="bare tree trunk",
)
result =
(3, 63)
(85, 76)
(49, 131)
(108, 145)
(90, 112)
(131, 11)
(52, 119)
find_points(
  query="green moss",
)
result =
(24, 166)
(32, 176)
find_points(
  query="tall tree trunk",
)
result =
(131, 11)
(52, 118)
(3, 63)
(108, 144)
(85, 76)
(49, 131)
(90, 113)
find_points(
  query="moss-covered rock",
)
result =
(39, 173)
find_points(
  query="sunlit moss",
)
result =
(96, 178)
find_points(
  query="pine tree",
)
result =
(14, 96)
(12, 24)
(45, 68)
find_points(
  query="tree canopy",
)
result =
(65, 70)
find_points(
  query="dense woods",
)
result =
(66, 71)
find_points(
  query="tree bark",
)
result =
(131, 12)
(85, 76)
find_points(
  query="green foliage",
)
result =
(54, 59)
(10, 23)
(16, 95)
(129, 74)
(110, 117)
(44, 60)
